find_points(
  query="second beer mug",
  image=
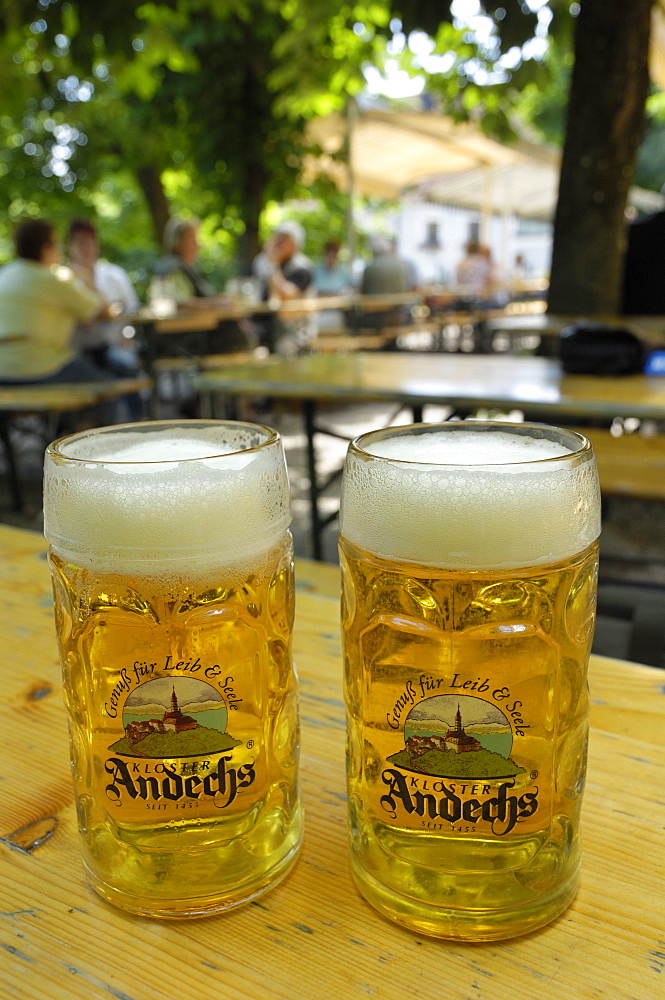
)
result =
(469, 561)
(172, 571)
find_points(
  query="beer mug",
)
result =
(469, 565)
(172, 568)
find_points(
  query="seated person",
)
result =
(285, 274)
(191, 290)
(475, 272)
(103, 341)
(181, 250)
(40, 305)
(332, 278)
(386, 274)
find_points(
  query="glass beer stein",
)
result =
(172, 569)
(469, 564)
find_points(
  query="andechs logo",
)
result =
(220, 785)
(176, 718)
(502, 810)
(457, 736)
(468, 741)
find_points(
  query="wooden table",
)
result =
(52, 400)
(536, 386)
(313, 937)
(202, 321)
(650, 329)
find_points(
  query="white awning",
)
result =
(392, 151)
(448, 162)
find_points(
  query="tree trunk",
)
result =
(605, 119)
(150, 179)
(249, 243)
(253, 177)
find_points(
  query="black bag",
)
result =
(597, 349)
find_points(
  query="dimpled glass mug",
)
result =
(172, 569)
(469, 562)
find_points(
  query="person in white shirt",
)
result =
(103, 341)
(40, 304)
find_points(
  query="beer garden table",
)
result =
(200, 322)
(158, 328)
(650, 329)
(534, 385)
(313, 936)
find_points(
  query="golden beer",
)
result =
(172, 571)
(469, 562)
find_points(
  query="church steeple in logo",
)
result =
(456, 739)
(176, 719)
(156, 726)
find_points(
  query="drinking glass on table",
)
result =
(469, 561)
(162, 297)
(172, 569)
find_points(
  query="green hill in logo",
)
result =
(448, 764)
(188, 743)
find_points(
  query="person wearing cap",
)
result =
(286, 274)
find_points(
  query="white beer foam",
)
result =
(472, 500)
(467, 448)
(175, 498)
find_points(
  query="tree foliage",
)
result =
(204, 103)
(134, 110)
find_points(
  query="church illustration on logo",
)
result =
(477, 744)
(155, 725)
(171, 722)
(455, 739)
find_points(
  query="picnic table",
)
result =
(535, 386)
(312, 936)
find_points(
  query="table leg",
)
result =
(14, 482)
(150, 338)
(309, 413)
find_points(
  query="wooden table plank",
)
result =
(534, 385)
(313, 937)
(66, 396)
(630, 465)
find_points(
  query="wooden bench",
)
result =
(373, 339)
(632, 465)
(183, 365)
(51, 401)
(334, 341)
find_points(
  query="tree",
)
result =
(205, 102)
(605, 121)
(212, 95)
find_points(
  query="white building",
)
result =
(434, 236)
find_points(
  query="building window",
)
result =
(432, 237)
